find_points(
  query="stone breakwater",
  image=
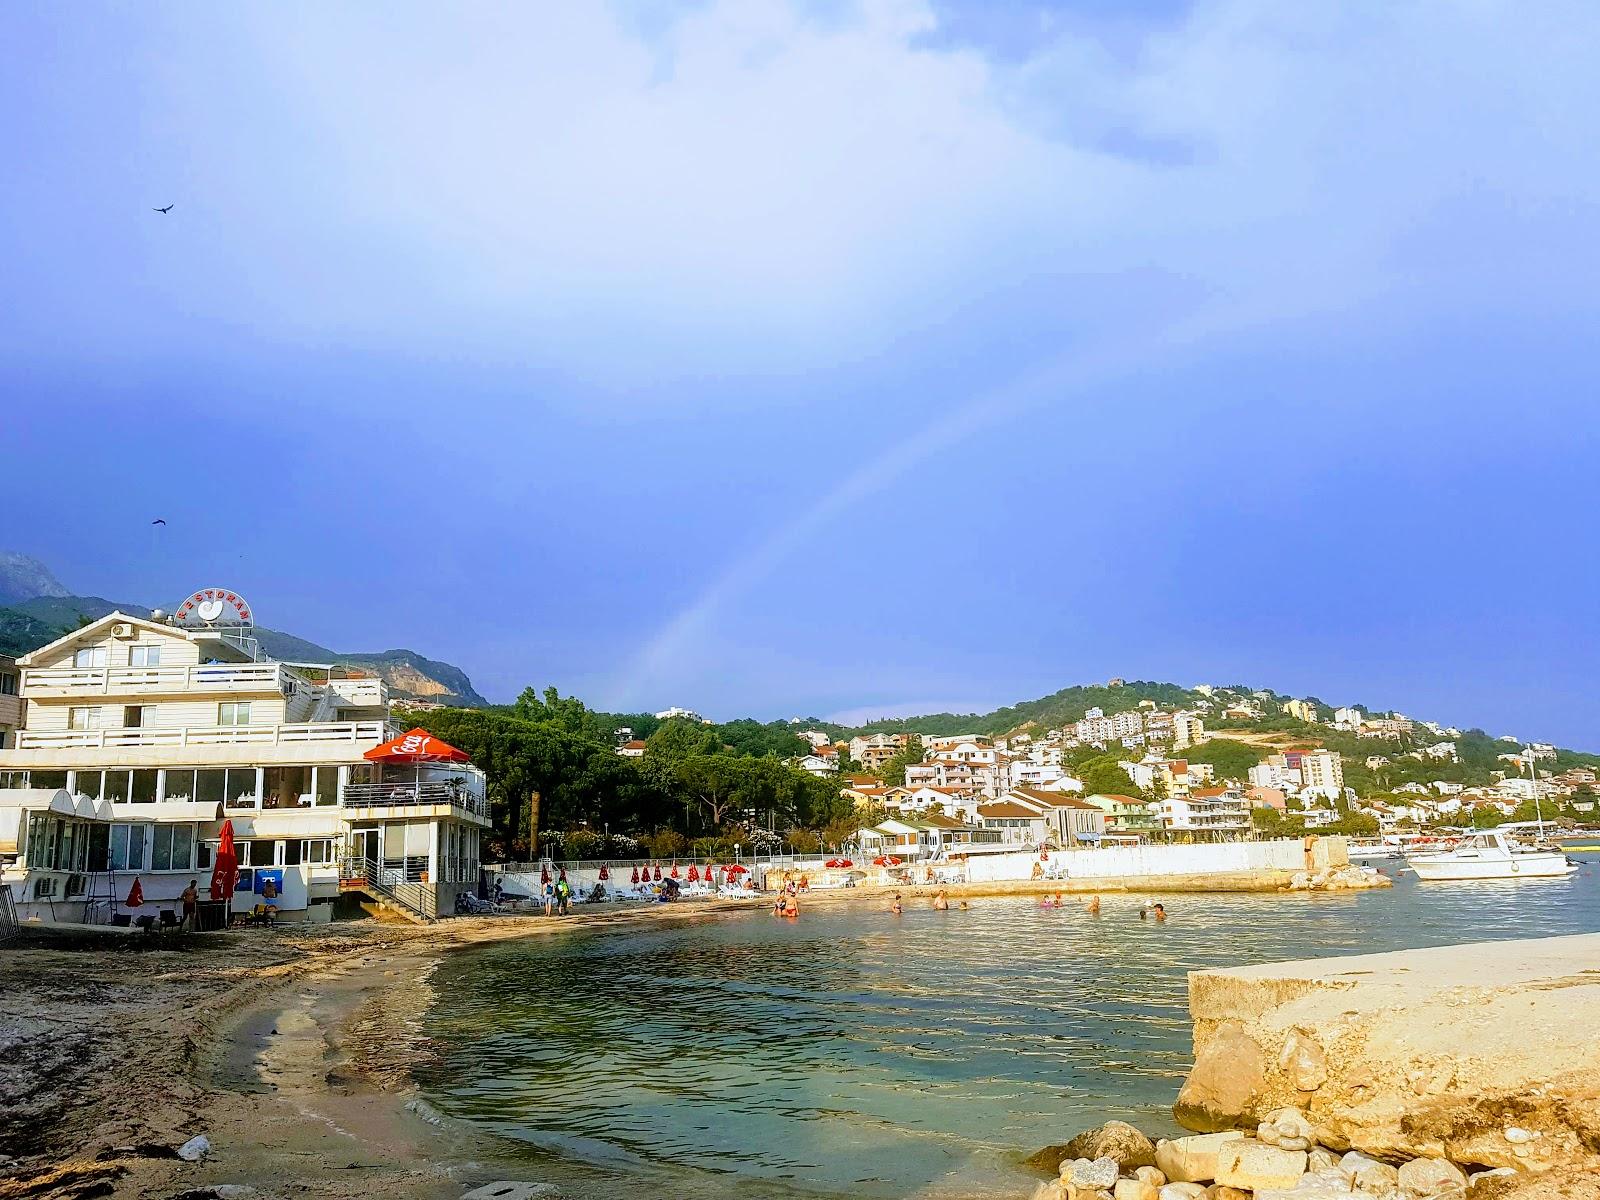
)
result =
(1281, 1161)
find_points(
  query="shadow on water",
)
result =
(852, 1053)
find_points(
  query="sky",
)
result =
(841, 358)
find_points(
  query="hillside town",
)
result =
(1050, 786)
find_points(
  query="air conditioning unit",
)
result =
(122, 629)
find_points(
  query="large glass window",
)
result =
(291, 853)
(8, 683)
(284, 787)
(87, 717)
(128, 846)
(138, 716)
(88, 783)
(233, 712)
(90, 656)
(202, 856)
(47, 779)
(258, 852)
(171, 847)
(99, 855)
(144, 785)
(115, 788)
(242, 787)
(327, 785)
(318, 850)
(144, 656)
(210, 785)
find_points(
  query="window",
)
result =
(327, 791)
(287, 787)
(144, 785)
(144, 656)
(83, 718)
(88, 783)
(138, 716)
(257, 853)
(202, 856)
(291, 853)
(233, 712)
(241, 787)
(127, 847)
(8, 683)
(210, 785)
(317, 850)
(48, 779)
(90, 656)
(171, 847)
(115, 788)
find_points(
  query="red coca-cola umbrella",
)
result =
(838, 863)
(225, 867)
(636, 877)
(886, 860)
(416, 747)
(736, 869)
(694, 873)
(674, 871)
(604, 873)
(658, 872)
(135, 894)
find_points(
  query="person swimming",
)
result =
(940, 904)
(895, 907)
(964, 906)
(1094, 906)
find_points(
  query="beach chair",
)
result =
(169, 918)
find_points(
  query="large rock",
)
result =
(1134, 1189)
(1415, 1054)
(1115, 1140)
(1255, 1165)
(1368, 1175)
(1224, 1087)
(1428, 1177)
(1181, 1191)
(1193, 1159)
(1090, 1173)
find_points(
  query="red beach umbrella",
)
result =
(225, 867)
(736, 869)
(694, 873)
(135, 894)
(413, 747)
(675, 870)
(604, 873)
(636, 877)
(658, 872)
(838, 863)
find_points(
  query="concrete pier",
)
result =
(1487, 1053)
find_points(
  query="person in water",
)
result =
(1094, 906)
(895, 907)
(940, 904)
(791, 907)
(1161, 911)
(964, 906)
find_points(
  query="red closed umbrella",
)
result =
(636, 877)
(225, 868)
(658, 872)
(135, 894)
(604, 874)
(674, 870)
(694, 873)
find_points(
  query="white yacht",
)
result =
(1490, 855)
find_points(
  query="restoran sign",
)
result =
(214, 606)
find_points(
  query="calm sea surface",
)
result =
(857, 1054)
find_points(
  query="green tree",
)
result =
(893, 772)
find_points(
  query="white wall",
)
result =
(1283, 855)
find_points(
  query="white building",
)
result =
(681, 714)
(1187, 730)
(143, 736)
(1316, 772)
(1205, 810)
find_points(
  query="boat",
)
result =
(1490, 855)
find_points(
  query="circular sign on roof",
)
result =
(213, 606)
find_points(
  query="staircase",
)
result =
(417, 902)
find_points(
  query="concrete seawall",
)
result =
(1486, 1053)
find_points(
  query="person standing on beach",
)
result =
(549, 898)
(563, 894)
(191, 906)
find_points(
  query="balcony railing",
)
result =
(414, 795)
(134, 681)
(353, 732)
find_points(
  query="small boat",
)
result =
(1490, 855)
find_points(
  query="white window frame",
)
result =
(92, 719)
(90, 658)
(229, 712)
(150, 652)
(146, 713)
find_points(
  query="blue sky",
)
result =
(776, 359)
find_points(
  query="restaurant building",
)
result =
(143, 736)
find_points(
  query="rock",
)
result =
(1115, 1140)
(1151, 1175)
(1087, 1173)
(1134, 1189)
(516, 1189)
(1304, 1062)
(1229, 1073)
(1493, 1173)
(1048, 1159)
(195, 1148)
(1181, 1191)
(1423, 1177)
(1287, 1129)
(1322, 1160)
(1054, 1190)
(1193, 1159)
(1516, 1136)
(1253, 1165)
(1373, 1177)
(1221, 1191)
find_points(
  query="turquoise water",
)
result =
(857, 1054)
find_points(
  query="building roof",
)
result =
(1052, 799)
(1118, 797)
(634, 745)
(1208, 793)
(1001, 809)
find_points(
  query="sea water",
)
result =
(855, 1053)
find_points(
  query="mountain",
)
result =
(30, 621)
(23, 578)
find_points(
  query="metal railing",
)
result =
(418, 900)
(411, 795)
(207, 735)
(8, 914)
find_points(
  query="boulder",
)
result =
(1427, 1177)
(1254, 1165)
(1221, 1191)
(1054, 1190)
(1090, 1173)
(1193, 1159)
(1287, 1129)
(195, 1148)
(1134, 1189)
(1150, 1175)
(1115, 1140)
(1493, 1173)
(1321, 1160)
(1228, 1076)
(1303, 1061)
(1369, 1175)
(1181, 1191)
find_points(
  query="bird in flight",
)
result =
(167, 209)
(159, 521)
